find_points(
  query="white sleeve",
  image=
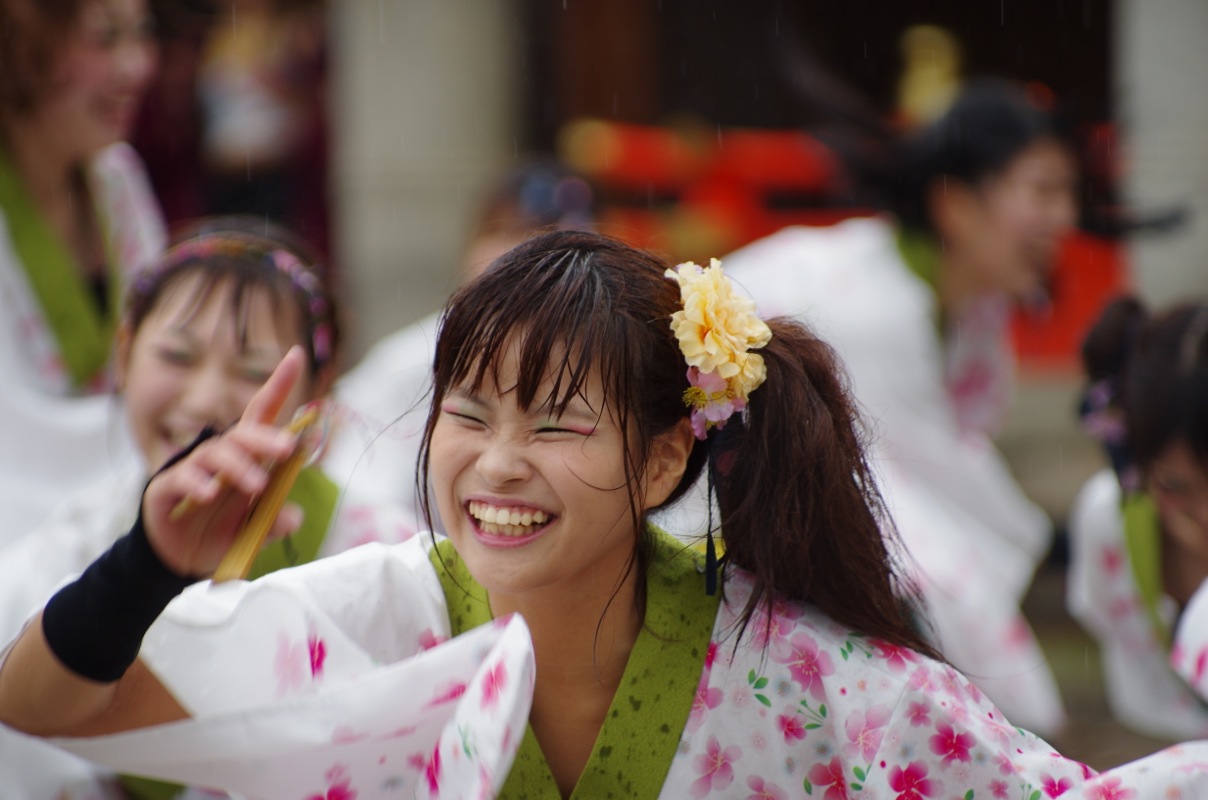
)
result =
(222, 647)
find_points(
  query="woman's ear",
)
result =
(123, 340)
(668, 459)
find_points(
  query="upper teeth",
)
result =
(506, 516)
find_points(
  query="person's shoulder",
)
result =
(816, 245)
(1096, 511)
(844, 656)
(401, 358)
(840, 277)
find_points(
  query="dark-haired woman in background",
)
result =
(1139, 531)
(917, 302)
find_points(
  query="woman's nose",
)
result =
(504, 461)
(138, 57)
(208, 397)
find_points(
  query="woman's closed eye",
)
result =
(177, 356)
(254, 374)
(464, 417)
(563, 430)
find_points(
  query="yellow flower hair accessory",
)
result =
(717, 328)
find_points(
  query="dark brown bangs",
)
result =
(241, 279)
(571, 329)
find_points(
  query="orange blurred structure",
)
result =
(693, 192)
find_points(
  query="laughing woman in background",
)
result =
(76, 216)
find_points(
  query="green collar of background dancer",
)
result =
(83, 331)
(634, 750)
(922, 256)
(1143, 540)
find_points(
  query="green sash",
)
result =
(1143, 540)
(635, 747)
(82, 330)
(317, 495)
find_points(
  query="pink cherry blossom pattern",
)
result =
(1110, 789)
(951, 745)
(339, 785)
(807, 664)
(715, 767)
(432, 771)
(448, 694)
(830, 776)
(864, 731)
(318, 654)
(919, 713)
(895, 657)
(792, 727)
(1054, 787)
(705, 699)
(912, 783)
(493, 685)
(764, 790)
(428, 639)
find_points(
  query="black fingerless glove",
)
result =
(95, 625)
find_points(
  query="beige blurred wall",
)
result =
(423, 103)
(1161, 86)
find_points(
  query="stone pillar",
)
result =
(1162, 90)
(423, 99)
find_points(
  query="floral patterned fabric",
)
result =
(77, 533)
(314, 681)
(1189, 656)
(301, 692)
(1143, 690)
(972, 537)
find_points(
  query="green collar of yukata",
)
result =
(635, 748)
(922, 256)
(1143, 540)
(82, 330)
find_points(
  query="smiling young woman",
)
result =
(578, 385)
(77, 216)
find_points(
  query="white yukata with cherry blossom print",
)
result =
(336, 680)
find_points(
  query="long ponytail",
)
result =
(799, 507)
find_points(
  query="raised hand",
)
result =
(220, 480)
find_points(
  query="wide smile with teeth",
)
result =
(506, 521)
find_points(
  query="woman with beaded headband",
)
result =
(76, 217)
(579, 384)
(204, 325)
(1139, 531)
